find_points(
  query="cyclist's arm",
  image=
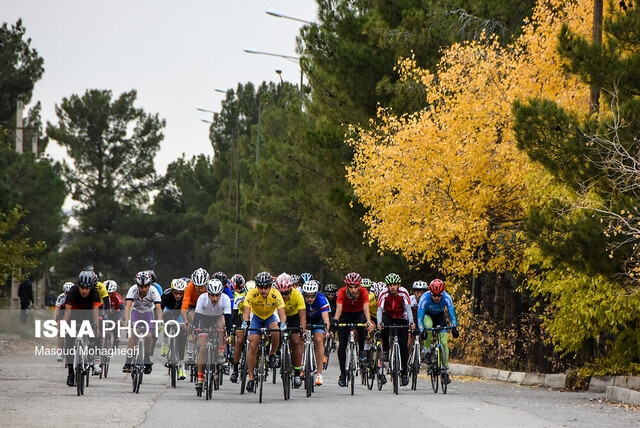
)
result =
(379, 314)
(158, 312)
(282, 314)
(96, 318)
(325, 318)
(338, 311)
(303, 317)
(452, 312)
(56, 311)
(246, 312)
(67, 312)
(420, 317)
(407, 309)
(367, 315)
(127, 310)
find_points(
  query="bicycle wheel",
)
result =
(443, 369)
(262, 371)
(327, 354)
(285, 370)
(415, 367)
(79, 381)
(308, 375)
(86, 375)
(434, 371)
(394, 362)
(370, 369)
(243, 370)
(352, 368)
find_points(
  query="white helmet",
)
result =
(420, 285)
(214, 286)
(178, 284)
(200, 277)
(310, 287)
(111, 285)
(67, 286)
(249, 285)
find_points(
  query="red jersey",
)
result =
(394, 306)
(353, 305)
(116, 300)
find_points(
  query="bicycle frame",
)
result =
(351, 360)
(395, 362)
(260, 370)
(81, 363)
(437, 368)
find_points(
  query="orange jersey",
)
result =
(191, 295)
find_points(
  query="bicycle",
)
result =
(309, 358)
(172, 355)
(107, 352)
(212, 367)
(395, 366)
(437, 368)
(413, 365)
(286, 368)
(374, 360)
(352, 354)
(328, 347)
(260, 370)
(137, 362)
(81, 363)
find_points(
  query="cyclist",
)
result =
(352, 307)
(317, 308)
(263, 301)
(210, 312)
(394, 308)
(171, 304)
(330, 291)
(116, 303)
(368, 285)
(238, 285)
(142, 298)
(58, 314)
(295, 310)
(239, 300)
(296, 281)
(431, 312)
(195, 287)
(419, 288)
(82, 304)
(228, 290)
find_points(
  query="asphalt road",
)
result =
(33, 393)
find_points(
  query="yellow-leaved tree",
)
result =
(447, 185)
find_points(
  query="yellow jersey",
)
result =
(264, 307)
(102, 290)
(373, 305)
(294, 304)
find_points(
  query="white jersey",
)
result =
(205, 307)
(61, 300)
(413, 300)
(146, 303)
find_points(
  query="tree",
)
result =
(16, 250)
(587, 239)
(112, 146)
(20, 68)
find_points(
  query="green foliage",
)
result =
(111, 145)
(16, 250)
(20, 68)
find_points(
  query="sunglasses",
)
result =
(309, 296)
(265, 288)
(286, 293)
(436, 295)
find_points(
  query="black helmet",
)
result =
(330, 288)
(87, 278)
(221, 276)
(264, 280)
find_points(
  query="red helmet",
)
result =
(283, 283)
(353, 278)
(436, 286)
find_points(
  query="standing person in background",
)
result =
(25, 293)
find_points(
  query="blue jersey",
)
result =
(228, 290)
(320, 305)
(426, 306)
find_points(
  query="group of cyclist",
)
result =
(204, 302)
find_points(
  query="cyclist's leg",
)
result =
(443, 339)
(297, 345)
(254, 341)
(318, 341)
(361, 332)
(428, 323)
(403, 339)
(343, 341)
(384, 334)
(275, 335)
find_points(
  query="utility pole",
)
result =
(19, 127)
(594, 99)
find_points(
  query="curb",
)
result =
(558, 381)
(623, 395)
(601, 383)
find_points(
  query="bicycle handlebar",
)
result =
(351, 325)
(440, 328)
(312, 326)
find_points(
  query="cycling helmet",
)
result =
(306, 277)
(143, 278)
(249, 285)
(392, 278)
(152, 274)
(283, 282)
(264, 280)
(295, 279)
(238, 281)
(353, 278)
(214, 286)
(87, 278)
(380, 286)
(178, 284)
(111, 285)
(366, 283)
(310, 287)
(220, 276)
(67, 286)
(420, 285)
(436, 286)
(200, 277)
(330, 288)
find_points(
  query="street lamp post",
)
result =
(289, 57)
(280, 15)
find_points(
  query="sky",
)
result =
(173, 53)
